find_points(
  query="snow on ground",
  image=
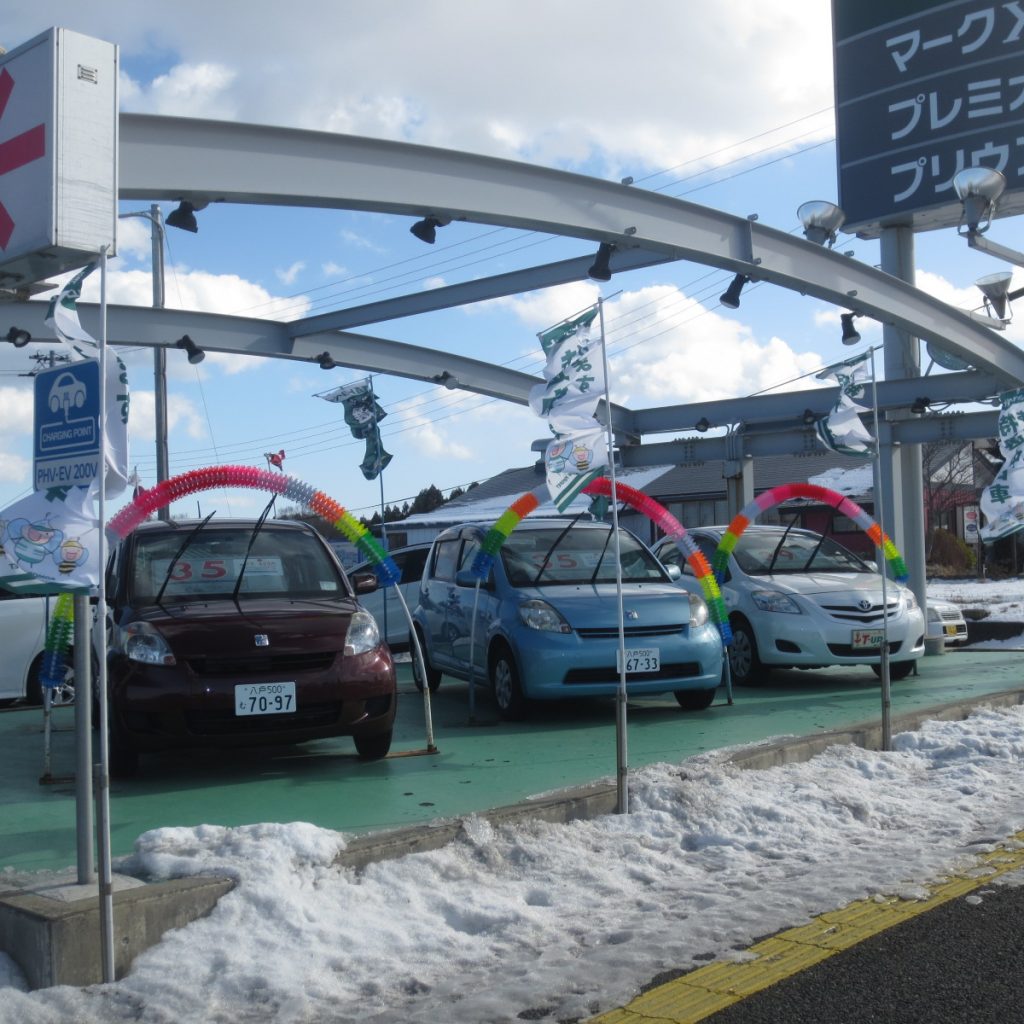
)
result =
(562, 920)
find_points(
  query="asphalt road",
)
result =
(958, 964)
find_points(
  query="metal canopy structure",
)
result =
(214, 161)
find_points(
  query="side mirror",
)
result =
(364, 582)
(871, 564)
(674, 572)
(468, 578)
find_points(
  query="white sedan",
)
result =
(797, 599)
(945, 619)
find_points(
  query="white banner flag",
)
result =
(1003, 500)
(62, 317)
(574, 384)
(842, 430)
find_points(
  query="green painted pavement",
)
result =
(476, 766)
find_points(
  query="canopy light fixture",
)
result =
(426, 230)
(195, 353)
(979, 189)
(446, 380)
(600, 269)
(731, 296)
(325, 361)
(810, 417)
(920, 405)
(17, 337)
(850, 334)
(821, 221)
(702, 425)
(184, 217)
(996, 289)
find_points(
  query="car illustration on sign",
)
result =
(67, 393)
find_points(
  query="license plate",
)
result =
(866, 639)
(950, 630)
(640, 659)
(264, 698)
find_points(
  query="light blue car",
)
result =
(547, 618)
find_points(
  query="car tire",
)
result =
(744, 661)
(695, 700)
(505, 685)
(897, 670)
(433, 674)
(373, 748)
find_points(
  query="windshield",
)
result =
(550, 557)
(282, 564)
(798, 552)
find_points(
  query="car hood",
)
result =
(216, 626)
(595, 606)
(814, 583)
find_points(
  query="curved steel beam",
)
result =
(204, 161)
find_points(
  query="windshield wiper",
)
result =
(554, 544)
(778, 547)
(252, 540)
(817, 548)
(181, 550)
(597, 568)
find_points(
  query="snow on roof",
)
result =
(855, 480)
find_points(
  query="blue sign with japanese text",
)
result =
(921, 97)
(67, 428)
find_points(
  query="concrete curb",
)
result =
(54, 941)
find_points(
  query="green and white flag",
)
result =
(573, 385)
(62, 317)
(842, 430)
(363, 414)
(1003, 500)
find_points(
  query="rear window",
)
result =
(281, 563)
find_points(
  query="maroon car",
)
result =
(241, 632)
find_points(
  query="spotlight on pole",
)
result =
(600, 269)
(18, 338)
(184, 217)
(850, 333)
(821, 221)
(810, 417)
(920, 405)
(426, 230)
(325, 361)
(702, 425)
(731, 296)
(978, 189)
(195, 353)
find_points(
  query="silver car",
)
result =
(797, 599)
(383, 603)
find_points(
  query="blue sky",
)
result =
(726, 104)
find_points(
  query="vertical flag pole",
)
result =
(106, 892)
(380, 479)
(621, 752)
(879, 513)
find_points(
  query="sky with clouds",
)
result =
(726, 104)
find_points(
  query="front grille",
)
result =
(950, 614)
(868, 616)
(677, 670)
(849, 651)
(262, 664)
(606, 632)
(227, 723)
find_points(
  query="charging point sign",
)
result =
(67, 428)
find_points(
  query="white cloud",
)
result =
(331, 269)
(359, 241)
(182, 415)
(14, 469)
(289, 274)
(16, 410)
(429, 283)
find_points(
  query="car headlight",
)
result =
(540, 615)
(144, 643)
(363, 634)
(773, 601)
(933, 614)
(698, 611)
(911, 601)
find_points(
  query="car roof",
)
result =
(175, 525)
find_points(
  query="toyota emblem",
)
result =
(864, 604)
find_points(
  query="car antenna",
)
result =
(181, 550)
(252, 540)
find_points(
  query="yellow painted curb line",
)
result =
(705, 991)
